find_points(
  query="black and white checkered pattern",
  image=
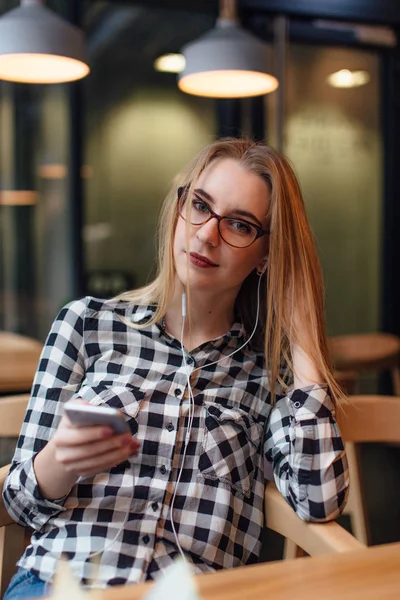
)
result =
(218, 511)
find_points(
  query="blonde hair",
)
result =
(292, 288)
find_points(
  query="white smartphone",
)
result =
(85, 415)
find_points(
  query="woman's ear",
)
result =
(262, 266)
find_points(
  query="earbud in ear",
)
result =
(265, 267)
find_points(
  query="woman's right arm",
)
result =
(50, 454)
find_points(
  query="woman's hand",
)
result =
(84, 451)
(74, 452)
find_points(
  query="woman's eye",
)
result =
(200, 205)
(240, 227)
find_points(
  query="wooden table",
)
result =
(19, 357)
(373, 573)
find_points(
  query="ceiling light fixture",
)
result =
(37, 46)
(348, 79)
(227, 62)
(170, 63)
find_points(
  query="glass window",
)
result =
(140, 131)
(333, 137)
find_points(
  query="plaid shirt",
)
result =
(218, 511)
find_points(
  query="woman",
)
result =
(236, 253)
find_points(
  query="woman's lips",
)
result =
(201, 261)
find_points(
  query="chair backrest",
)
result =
(369, 419)
(12, 536)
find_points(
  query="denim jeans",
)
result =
(25, 584)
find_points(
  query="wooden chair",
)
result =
(353, 355)
(19, 356)
(12, 537)
(370, 419)
(364, 419)
(314, 538)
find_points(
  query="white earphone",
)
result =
(190, 417)
(191, 397)
(265, 267)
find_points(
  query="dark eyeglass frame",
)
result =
(182, 192)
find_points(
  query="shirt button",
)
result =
(178, 392)
(297, 404)
(170, 427)
(145, 539)
(190, 360)
(163, 470)
(154, 506)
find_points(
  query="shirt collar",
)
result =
(141, 314)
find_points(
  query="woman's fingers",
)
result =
(103, 462)
(76, 453)
(67, 435)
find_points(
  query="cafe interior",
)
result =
(90, 145)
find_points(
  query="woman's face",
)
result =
(229, 189)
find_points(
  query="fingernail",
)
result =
(108, 431)
(126, 440)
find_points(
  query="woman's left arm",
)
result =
(304, 445)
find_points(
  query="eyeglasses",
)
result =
(238, 233)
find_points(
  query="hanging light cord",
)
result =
(228, 9)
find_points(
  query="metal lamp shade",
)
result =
(226, 62)
(37, 46)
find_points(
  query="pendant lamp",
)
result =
(227, 62)
(37, 46)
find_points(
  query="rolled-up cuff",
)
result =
(27, 504)
(311, 402)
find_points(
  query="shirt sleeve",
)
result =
(304, 446)
(59, 375)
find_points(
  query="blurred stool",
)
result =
(19, 357)
(351, 356)
(367, 352)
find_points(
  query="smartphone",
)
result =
(85, 415)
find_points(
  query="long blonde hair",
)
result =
(293, 280)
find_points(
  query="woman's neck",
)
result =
(206, 318)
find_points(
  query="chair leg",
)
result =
(291, 550)
(355, 505)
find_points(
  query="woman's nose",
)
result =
(208, 233)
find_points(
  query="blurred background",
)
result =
(95, 159)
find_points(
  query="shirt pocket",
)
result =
(231, 447)
(126, 397)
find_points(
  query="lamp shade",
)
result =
(226, 62)
(37, 46)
